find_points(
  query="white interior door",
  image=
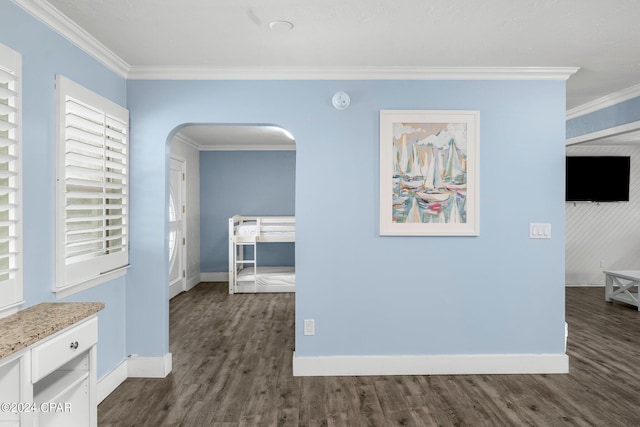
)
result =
(177, 244)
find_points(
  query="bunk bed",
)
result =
(245, 275)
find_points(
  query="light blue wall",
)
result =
(497, 293)
(45, 54)
(243, 183)
(615, 115)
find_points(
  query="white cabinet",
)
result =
(62, 347)
(14, 388)
(63, 377)
(52, 382)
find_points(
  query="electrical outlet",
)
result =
(309, 327)
(602, 263)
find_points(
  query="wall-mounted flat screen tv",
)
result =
(597, 178)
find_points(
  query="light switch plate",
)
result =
(539, 230)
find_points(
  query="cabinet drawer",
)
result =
(56, 351)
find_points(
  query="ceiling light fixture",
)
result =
(280, 26)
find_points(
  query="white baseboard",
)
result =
(134, 367)
(149, 367)
(214, 277)
(431, 365)
(192, 282)
(111, 381)
(584, 285)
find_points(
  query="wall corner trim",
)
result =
(149, 367)
(457, 364)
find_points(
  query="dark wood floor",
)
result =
(232, 367)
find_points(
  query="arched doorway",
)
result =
(229, 169)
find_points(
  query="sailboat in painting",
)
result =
(414, 213)
(433, 197)
(454, 215)
(400, 156)
(429, 174)
(415, 168)
(433, 177)
(453, 170)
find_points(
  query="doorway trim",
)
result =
(178, 164)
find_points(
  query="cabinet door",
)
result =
(71, 408)
(15, 388)
(10, 390)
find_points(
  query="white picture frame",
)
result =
(429, 172)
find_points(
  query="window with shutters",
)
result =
(10, 182)
(92, 188)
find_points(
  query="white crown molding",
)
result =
(248, 147)
(60, 23)
(52, 17)
(349, 73)
(604, 102)
(184, 139)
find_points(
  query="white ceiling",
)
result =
(601, 37)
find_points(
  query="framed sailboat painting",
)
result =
(429, 164)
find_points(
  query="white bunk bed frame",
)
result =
(244, 274)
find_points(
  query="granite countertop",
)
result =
(28, 326)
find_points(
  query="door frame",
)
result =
(180, 285)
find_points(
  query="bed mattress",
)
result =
(251, 228)
(270, 276)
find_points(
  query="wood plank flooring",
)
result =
(232, 367)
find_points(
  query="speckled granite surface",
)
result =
(28, 326)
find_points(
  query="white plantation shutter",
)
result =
(10, 179)
(92, 186)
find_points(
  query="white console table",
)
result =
(623, 286)
(48, 366)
